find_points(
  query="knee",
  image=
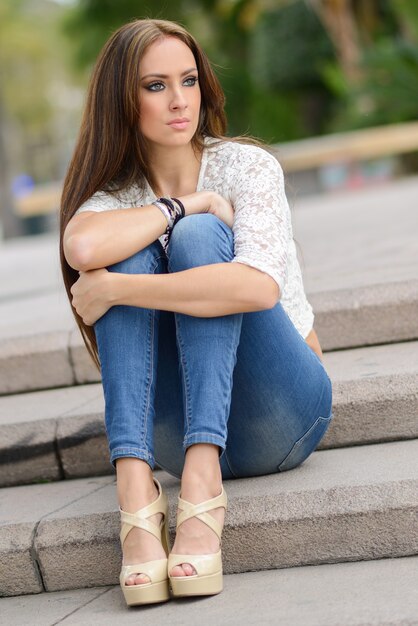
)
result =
(199, 239)
(145, 261)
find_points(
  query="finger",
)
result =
(77, 308)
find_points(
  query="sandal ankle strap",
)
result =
(139, 518)
(201, 511)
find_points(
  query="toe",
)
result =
(136, 579)
(130, 580)
(185, 569)
(177, 571)
(188, 569)
(140, 579)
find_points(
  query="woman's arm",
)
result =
(96, 239)
(206, 291)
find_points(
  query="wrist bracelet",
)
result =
(181, 205)
(175, 210)
(170, 206)
(164, 210)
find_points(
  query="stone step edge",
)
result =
(273, 522)
(376, 314)
(363, 316)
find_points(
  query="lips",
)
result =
(179, 120)
(180, 123)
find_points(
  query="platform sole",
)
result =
(146, 593)
(182, 586)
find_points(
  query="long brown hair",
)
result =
(110, 152)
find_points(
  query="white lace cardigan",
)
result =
(252, 180)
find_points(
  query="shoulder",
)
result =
(243, 155)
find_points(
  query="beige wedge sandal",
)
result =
(208, 580)
(157, 590)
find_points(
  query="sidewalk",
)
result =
(360, 238)
(374, 593)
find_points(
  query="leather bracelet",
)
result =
(181, 205)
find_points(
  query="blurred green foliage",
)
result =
(289, 68)
(91, 22)
(388, 94)
(259, 56)
(287, 47)
(386, 90)
(36, 86)
(278, 61)
(23, 47)
(287, 50)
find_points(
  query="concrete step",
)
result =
(348, 504)
(59, 433)
(364, 316)
(376, 592)
(41, 348)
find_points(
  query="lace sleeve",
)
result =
(262, 216)
(103, 201)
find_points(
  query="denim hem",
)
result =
(136, 453)
(204, 438)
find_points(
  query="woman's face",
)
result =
(169, 93)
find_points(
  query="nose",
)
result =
(178, 100)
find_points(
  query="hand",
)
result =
(221, 208)
(91, 295)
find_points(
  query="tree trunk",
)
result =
(338, 19)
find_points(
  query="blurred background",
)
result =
(332, 85)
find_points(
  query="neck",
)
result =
(175, 170)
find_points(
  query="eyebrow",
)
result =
(191, 69)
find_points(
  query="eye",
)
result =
(154, 86)
(159, 86)
(192, 80)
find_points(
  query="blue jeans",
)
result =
(247, 382)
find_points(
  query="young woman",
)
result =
(178, 257)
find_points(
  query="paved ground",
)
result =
(365, 237)
(366, 593)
